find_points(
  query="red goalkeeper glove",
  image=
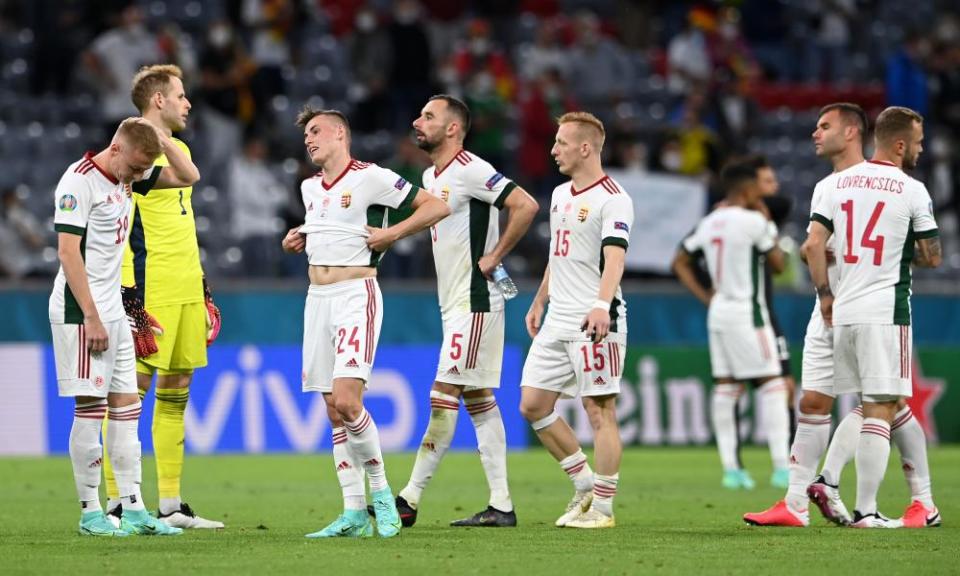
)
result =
(144, 327)
(213, 314)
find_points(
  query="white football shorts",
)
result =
(341, 326)
(82, 373)
(571, 366)
(873, 359)
(744, 352)
(817, 371)
(472, 351)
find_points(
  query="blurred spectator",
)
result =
(767, 28)
(66, 32)
(629, 154)
(600, 66)
(371, 64)
(272, 23)
(688, 60)
(479, 55)
(729, 51)
(546, 101)
(408, 160)
(544, 54)
(833, 40)
(256, 198)
(176, 48)
(225, 72)
(21, 237)
(114, 58)
(488, 114)
(737, 114)
(411, 82)
(906, 77)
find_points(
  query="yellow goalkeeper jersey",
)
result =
(162, 256)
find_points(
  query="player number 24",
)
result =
(352, 341)
(875, 244)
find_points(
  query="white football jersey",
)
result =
(475, 193)
(338, 213)
(94, 205)
(876, 213)
(831, 247)
(582, 222)
(734, 242)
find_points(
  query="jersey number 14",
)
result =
(875, 244)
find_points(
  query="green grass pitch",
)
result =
(673, 518)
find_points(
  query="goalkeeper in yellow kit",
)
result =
(169, 308)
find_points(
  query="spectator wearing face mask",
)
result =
(114, 58)
(371, 64)
(225, 72)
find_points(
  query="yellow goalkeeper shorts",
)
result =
(183, 345)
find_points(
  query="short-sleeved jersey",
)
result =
(163, 258)
(876, 212)
(92, 204)
(734, 242)
(582, 223)
(338, 213)
(832, 279)
(475, 193)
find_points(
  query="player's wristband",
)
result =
(601, 304)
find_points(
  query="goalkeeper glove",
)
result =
(213, 314)
(143, 326)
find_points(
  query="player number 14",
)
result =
(875, 244)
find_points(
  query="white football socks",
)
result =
(724, 407)
(776, 416)
(364, 442)
(873, 451)
(86, 454)
(813, 432)
(604, 489)
(577, 468)
(843, 446)
(444, 410)
(123, 445)
(349, 472)
(912, 443)
(492, 444)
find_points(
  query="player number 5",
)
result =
(456, 348)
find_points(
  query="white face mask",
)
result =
(366, 21)
(220, 36)
(479, 46)
(671, 160)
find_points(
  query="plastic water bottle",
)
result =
(504, 283)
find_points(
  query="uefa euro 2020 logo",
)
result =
(68, 203)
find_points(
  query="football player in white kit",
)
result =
(883, 221)
(738, 241)
(467, 246)
(346, 208)
(839, 137)
(581, 345)
(92, 343)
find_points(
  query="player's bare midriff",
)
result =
(323, 275)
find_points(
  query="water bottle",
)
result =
(504, 283)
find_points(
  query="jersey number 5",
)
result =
(875, 244)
